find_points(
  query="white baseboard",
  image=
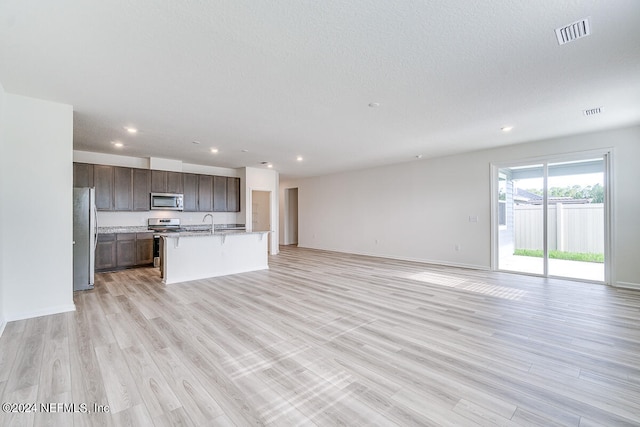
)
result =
(46, 312)
(628, 285)
(420, 260)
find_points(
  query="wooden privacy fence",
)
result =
(572, 227)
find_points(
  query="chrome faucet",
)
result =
(205, 217)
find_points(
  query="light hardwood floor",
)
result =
(332, 339)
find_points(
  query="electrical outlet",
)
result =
(473, 218)
(457, 247)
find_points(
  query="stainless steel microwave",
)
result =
(167, 201)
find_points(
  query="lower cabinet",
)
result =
(105, 252)
(126, 249)
(122, 250)
(144, 248)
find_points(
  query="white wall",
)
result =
(110, 159)
(36, 169)
(263, 180)
(2, 156)
(420, 210)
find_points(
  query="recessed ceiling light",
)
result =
(374, 104)
(269, 165)
(117, 144)
(419, 156)
(131, 130)
(214, 150)
(195, 142)
(299, 158)
(506, 128)
(244, 151)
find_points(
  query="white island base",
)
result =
(194, 256)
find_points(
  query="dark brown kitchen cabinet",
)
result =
(141, 189)
(174, 183)
(126, 249)
(233, 194)
(159, 181)
(127, 189)
(144, 248)
(190, 185)
(205, 193)
(82, 175)
(166, 182)
(103, 182)
(122, 250)
(113, 188)
(105, 256)
(220, 193)
(122, 189)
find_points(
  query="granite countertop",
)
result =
(207, 233)
(123, 229)
(196, 229)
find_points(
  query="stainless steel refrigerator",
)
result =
(85, 237)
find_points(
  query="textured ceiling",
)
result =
(284, 78)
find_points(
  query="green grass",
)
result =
(571, 256)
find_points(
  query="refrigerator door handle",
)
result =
(95, 229)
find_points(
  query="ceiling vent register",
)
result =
(592, 111)
(573, 31)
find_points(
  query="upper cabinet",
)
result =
(174, 183)
(103, 181)
(159, 181)
(122, 189)
(113, 188)
(233, 194)
(220, 194)
(141, 189)
(190, 187)
(128, 189)
(166, 182)
(205, 193)
(226, 194)
(82, 175)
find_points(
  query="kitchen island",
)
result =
(200, 255)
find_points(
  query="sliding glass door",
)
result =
(550, 217)
(576, 220)
(522, 230)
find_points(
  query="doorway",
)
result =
(261, 212)
(291, 216)
(551, 217)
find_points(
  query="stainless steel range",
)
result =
(164, 225)
(161, 225)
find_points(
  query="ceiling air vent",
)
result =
(592, 111)
(573, 31)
